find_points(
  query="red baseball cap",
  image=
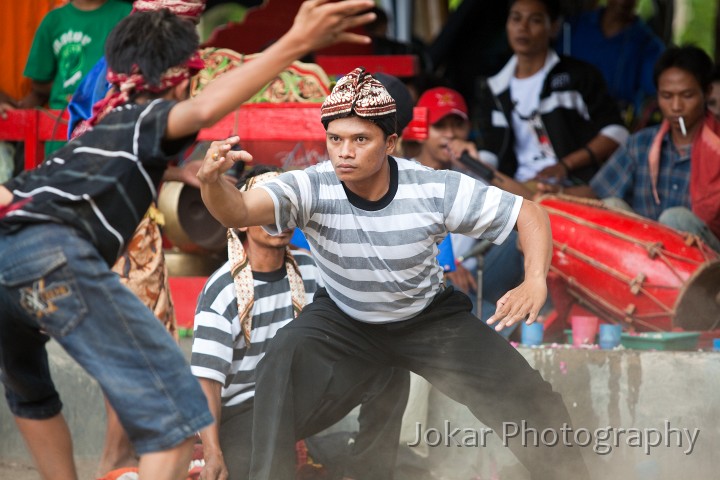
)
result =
(441, 102)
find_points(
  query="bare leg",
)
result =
(169, 464)
(117, 450)
(50, 445)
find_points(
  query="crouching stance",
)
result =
(373, 223)
(65, 223)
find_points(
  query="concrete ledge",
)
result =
(609, 390)
(621, 389)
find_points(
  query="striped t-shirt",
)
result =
(103, 182)
(377, 259)
(219, 351)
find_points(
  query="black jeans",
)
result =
(458, 354)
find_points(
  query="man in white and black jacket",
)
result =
(543, 116)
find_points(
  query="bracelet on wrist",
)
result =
(591, 155)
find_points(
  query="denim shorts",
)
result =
(53, 283)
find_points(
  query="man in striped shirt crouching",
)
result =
(373, 223)
(260, 289)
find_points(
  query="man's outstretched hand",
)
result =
(219, 158)
(320, 23)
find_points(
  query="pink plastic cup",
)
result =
(584, 329)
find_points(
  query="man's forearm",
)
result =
(6, 196)
(228, 91)
(316, 25)
(535, 240)
(38, 96)
(508, 184)
(211, 435)
(580, 191)
(525, 301)
(596, 152)
(225, 203)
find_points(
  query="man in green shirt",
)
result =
(68, 42)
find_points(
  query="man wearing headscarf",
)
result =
(94, 85)
(63, 224)
(141, 266)
(373, 223)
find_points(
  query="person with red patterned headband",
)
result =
(94, 85)
(82, 207)
(141, 267)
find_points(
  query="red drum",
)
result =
(633, 270)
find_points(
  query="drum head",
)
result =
(698, 306)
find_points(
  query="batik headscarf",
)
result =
(242, 272)
(358, 93)
(189, 9)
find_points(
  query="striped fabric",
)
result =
(377, 259)
(219, 351)
(103, 182)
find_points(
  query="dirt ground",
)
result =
(24, 470)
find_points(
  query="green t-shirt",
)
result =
(67, 45)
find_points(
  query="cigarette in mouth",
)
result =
(681, 120)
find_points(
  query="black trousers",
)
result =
(447, 345)
(382, 394)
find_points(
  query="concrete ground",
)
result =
(619, 390)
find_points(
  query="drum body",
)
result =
(633, 270)
(188, 223)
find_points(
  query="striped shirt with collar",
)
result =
(378, 259)
(219, 351)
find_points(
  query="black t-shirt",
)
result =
(103, 182)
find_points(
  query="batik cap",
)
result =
(441, 102)
(360, 94)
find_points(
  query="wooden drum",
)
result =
(633, 270)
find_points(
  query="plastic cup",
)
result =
(609, 335)
(584, 329)
(445, 256)
(531, 334)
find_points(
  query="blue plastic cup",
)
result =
(446, 257)
(531, 334)
(609, 335)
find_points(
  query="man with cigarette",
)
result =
(669, 172)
